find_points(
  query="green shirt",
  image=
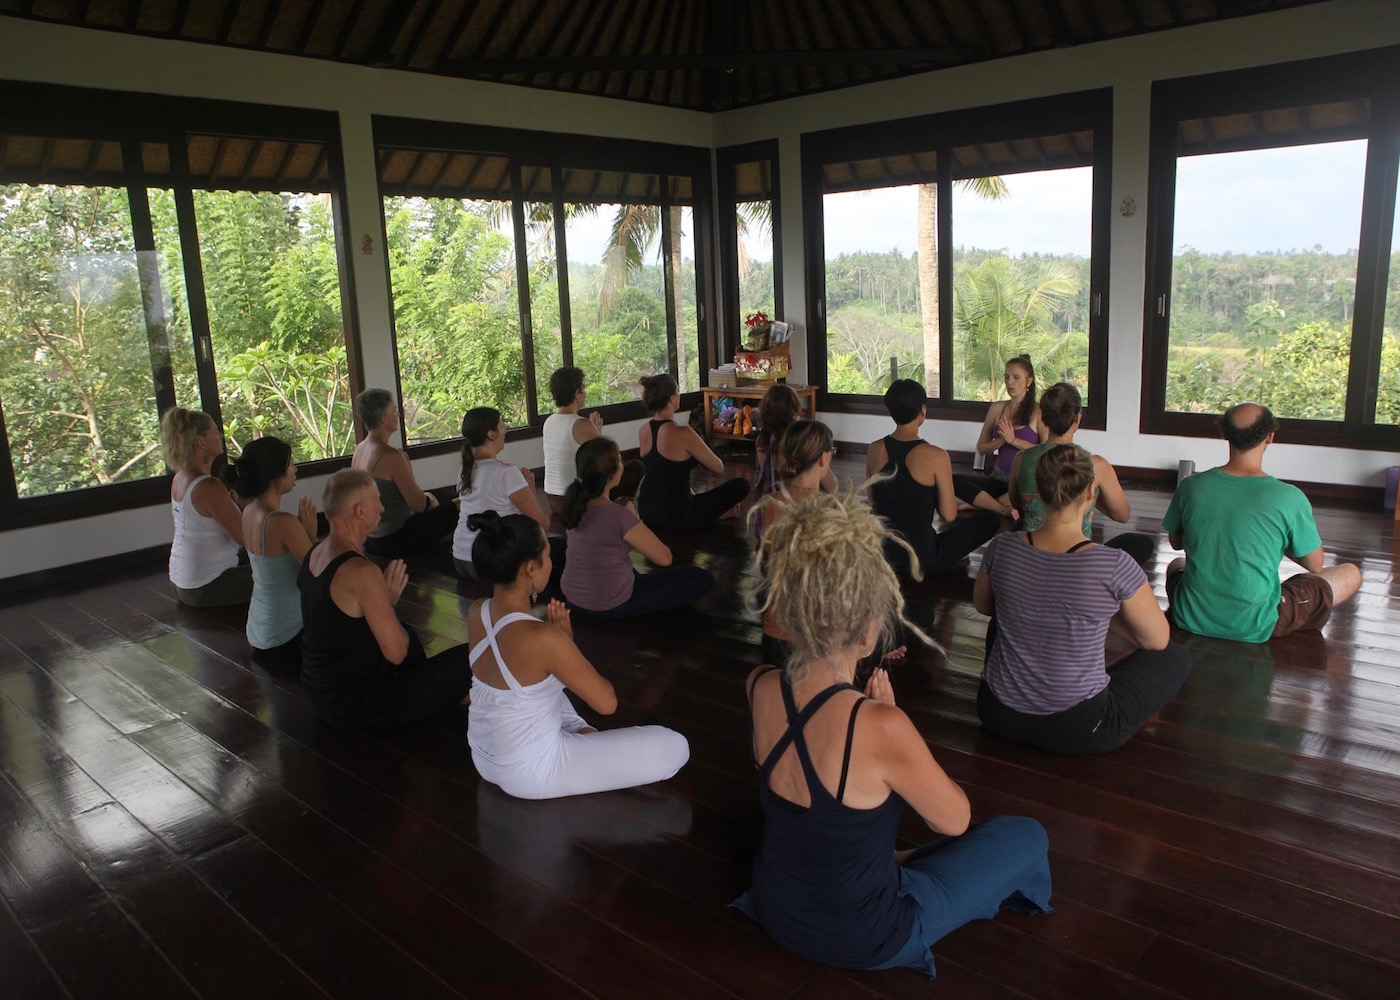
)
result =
(1032, 507)
(1235, 530)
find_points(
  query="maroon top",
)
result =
(598, 574)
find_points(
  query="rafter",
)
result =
(226, 23)
(177, 23)
(595, 24)
(133, 15)
(419, 30)
(347, 28)
(624, 23)
(308, 26)
(453, 38)
(381, 46)
(654, 25)
(492, 28)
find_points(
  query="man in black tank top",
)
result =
(920, 485)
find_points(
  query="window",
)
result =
(1387, 410)
(750, 236)
(147, 259)
(587, 258)
(452, 268)
(1270, 236)
(955, 242)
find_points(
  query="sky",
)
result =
(1260, 200)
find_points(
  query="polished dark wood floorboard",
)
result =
(174, 821)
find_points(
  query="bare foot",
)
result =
(895, 655)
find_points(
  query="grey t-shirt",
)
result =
(598, 575)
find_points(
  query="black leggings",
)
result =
(661, 590)
(1137, 688)
(697, 511)
(421, 531)
(965, 533)
(421, 687)
(966, 486)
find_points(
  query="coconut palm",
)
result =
(988, 188)
(1001, 310)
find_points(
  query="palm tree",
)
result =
(999, 309)
(988, 188)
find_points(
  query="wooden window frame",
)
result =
(727, 158)
(940, 133)
(558, 152)
(1374, 75)
(57, 111)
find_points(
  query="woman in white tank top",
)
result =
(205, 569)
(524, 733)
(564, 431)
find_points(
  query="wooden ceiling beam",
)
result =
(809, 32)
(177, 23)
(133, 15)
(308, 26)
(226, 22)
(347, 28)
(269, 18)
(419, 30)
(587, 21)
(447, 159)
(472, 174)
(455, 33)
(653, 25)
(1061, 34)
(556, 30)
(589, 36)
(672, 39)
(718, 86)
(285, 163)
(739, 60)
(253, 155)
(624, 21)
(1018, 23)
(492, 28)
(381, 46)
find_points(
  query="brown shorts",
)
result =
(1305, 602)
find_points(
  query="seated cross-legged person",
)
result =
(564, 430)
(277, 542)
(413, 519)
(1061, 411)
(487, 483)
(837, 766)
(205, 571)
(1053, 596)
(669, 451)
(603, 533)
(524, 733)
(1010, 426)
(361, 667)
(920, 485)
(1236, 523)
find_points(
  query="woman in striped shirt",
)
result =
(1053, 596)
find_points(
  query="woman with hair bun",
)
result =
(205, 570)
(1053, 595)
(669, 451)
(837, 767)
(599, 577)
(524, 733)
(277, 543)
(487, 483)
(1011, 426)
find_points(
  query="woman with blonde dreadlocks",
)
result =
(837, 767)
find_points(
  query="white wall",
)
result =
(1129, 65)
(47, 53)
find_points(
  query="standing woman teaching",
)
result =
(1011, 426)
(413, 519)
(669, 451)
(277, 543)
(837, 767)
(205, 571)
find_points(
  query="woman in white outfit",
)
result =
(524, 733)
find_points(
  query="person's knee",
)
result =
(1177, 565)
(672, 750)
(1024, 836)
(1346, 581)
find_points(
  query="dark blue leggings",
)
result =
(661, 590)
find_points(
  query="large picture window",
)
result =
(149, 258)
(1270, 241)
(750, 236)
(955, 242)
(506, 264)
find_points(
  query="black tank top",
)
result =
(667, 483)
(907, 504)
(825, 884)
(341, 660)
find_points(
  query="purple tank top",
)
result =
(1005, 455)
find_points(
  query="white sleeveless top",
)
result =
(493, 482)
(201, 549)
(559, 450)
(516, 728)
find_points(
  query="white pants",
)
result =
(580, 763)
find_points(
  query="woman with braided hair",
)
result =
(1053, 596)
(599, 578)
(837, 766)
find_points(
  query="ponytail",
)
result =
(597, 461)
(479, 422)
(504, 544)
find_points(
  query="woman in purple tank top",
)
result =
(1011, 425)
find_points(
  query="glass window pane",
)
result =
(273, 292)
(881, 287)
(171, 266)
(1264, 278)
(617, 290)
(754, 238)
(542, 256)
(1021, 278)
(1388, 398)
(683, 278)
(456, 313)
(75, 361)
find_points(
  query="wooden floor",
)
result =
(174, 822)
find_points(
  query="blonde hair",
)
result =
(827, 577)
(342, 490)
(179, 430)
(1062, 474)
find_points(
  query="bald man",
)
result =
(1236, 523)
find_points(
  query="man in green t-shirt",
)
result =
(1236, 523)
